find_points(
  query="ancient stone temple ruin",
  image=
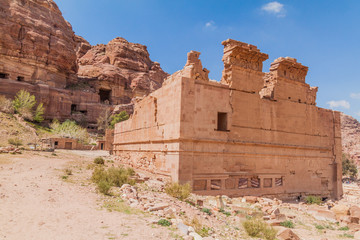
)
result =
(253, 133)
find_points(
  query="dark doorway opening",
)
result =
(105, 96)
(73, 107)
(20, 79)
(102, 146)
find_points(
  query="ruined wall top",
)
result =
(289, 68)
(244, 55)
(193, 69)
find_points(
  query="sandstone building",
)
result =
(253, 133)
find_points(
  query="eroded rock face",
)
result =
(36, 43)
(122, 67)
(350, 131)
(40, 53)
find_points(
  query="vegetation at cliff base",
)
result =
(70, 129)
(349, 168)
(24, 104)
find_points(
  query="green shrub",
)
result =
(348, 167)
(258, 228)
(24, 100)
(39, 113)
(15, 141)
(112, 177)
(122, 116)
(346, 228)
(288, 224)
(225, 212)
(206, 210)
(320, 227)
(178, 191)
(204, 232)
(104, 186)
(68, 171)
(24, 103)
(99, 160)
(164, 222)
(313, 200)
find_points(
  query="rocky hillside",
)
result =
(350, 131)
(40, 52)
(36, 43)
(123, 64)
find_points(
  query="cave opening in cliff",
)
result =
(20, 79)
(105, 96)
(4, 75)
(73, 108)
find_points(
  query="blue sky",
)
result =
(323, 35)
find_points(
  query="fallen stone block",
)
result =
(158, 207)
(287, 234)
(195, 236)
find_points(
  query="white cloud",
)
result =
(210, 25)
(340, 103)
(275, 8)
(355, 95)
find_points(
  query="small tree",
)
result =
(104, 120)
(348, 167)
(39, 113)
(70, 129)
(24, 103)
(122, 116)
(23, 100)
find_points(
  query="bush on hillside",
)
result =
(15, 142)
(6, 105)
(113, 176)
(178, 191)
(99, 160)
(258, 228)
(70, 129)
(349, 168)
(313, 200)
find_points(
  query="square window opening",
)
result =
(222, 121)
(56, 143)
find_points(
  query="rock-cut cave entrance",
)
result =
(105, 96)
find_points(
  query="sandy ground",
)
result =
(36, 203)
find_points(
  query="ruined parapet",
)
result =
(243, 65)
(193, 69)
(286, 81)
(289, 68)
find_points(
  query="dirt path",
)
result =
(36, 203)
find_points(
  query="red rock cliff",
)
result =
(36, 43)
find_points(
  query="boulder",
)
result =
(340, 210)
(287, 234)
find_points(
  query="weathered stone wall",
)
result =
(231, 138)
